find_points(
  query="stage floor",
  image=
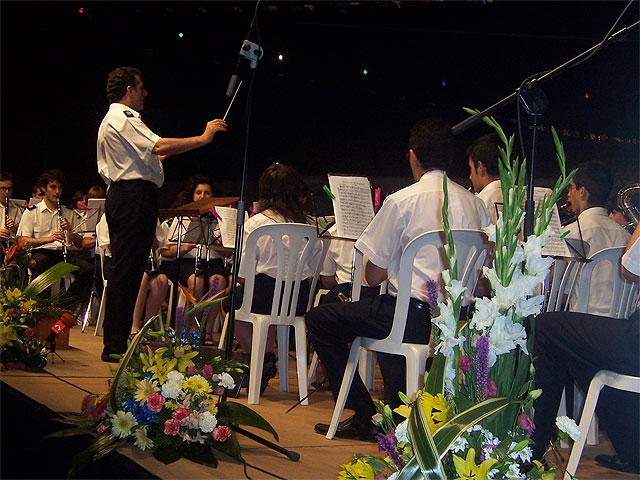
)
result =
(319, 458)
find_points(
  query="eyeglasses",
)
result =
(6, 189)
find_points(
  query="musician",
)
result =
(587, 195)
(130, 160)
(484, 174)
(8, 223)
(281, 197)
(577, 345)
(404, 215)
(197, 188)
(45, 229)
(37, 192)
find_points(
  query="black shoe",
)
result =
(269, 370)
(614, 463)
(353, 430)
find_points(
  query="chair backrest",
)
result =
(472, 251)
(101, 250)
(303, 252)
(624, 294)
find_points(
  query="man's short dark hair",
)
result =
(5, 176)
(118, 81)
(432, 142)
(597, 178)
(49, 176)
(485, 149)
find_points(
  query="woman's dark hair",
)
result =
(186, 195)
(281, 189)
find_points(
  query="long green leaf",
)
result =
(71, 432)
(242, 415)
(411, 471)
(230, 446)
(199, 453)
(450, 431)
(424, 445)
(47, 278)
(435, 377)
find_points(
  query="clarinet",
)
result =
(64, 243)
(6, 218)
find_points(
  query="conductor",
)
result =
(130, 160)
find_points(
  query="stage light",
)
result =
(444, 84)
(81, 10)
(586, 95)
(364, 71)
(280, 57)
(181, 34)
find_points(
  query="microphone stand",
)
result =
(534, 102)
(253, 54)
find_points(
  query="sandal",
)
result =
(208, 340)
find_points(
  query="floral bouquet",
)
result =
(165, 398)
(21, 306)
(473, 419)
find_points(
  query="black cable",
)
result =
(67, 382)
(246, 464)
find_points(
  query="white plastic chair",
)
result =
(103, 299)
(303, 251)
(472, 250)
(603, 377)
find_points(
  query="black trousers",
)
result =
(132, 210)
(333, 326)
(576, 345)
(80, 288)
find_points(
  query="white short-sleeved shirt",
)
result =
(599, 232)
(490, 195)
(39, 222)
(267, 259)
(414, 210)
(103, 234)
(339, 259)
(125, 148)
(631, 258)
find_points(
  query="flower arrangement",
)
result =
(165, 398)
(21, 306)
(473, 418)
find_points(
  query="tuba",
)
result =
(627, 207)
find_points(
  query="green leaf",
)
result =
(424, 445)
(99, 448)
(199, 453)
(167, 454)
(435, 379)
(233, 412)
(230, 446)
(71, 432)
(450, 431)
(47, 278)
(411, 471)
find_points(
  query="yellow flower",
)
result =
(213, 408)
(549, 475)
(198, 385)
(144, 389)
(184, 359)
(7, 334)
(436, 410)
(468, 470)
(13, 294)
(29, 304)
(358, 469)
(403, 410)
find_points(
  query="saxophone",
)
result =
(64, 243)
(627, 207)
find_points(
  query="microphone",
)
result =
(252, 52)
(65, 321)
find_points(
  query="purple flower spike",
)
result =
(179, 314)
(482, 369)
(387, 444)
(432, 292)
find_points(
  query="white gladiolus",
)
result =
(568, 426)
(529, 306)
(401, 432)
(504, 337)
(485, 313)
(455, 289)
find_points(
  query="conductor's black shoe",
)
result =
(614, 463)
(351, 429)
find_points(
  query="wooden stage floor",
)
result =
(319, 457)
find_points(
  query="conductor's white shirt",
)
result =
(409, 212)
(125, 148)
(39, 222)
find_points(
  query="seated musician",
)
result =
(154, 284)
(282, 194)
(46, 229)
(185, 272)
(8, 217)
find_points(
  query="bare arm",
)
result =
(172, 146)
(373, 274)
(328, 281)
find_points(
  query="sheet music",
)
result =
(227, 224)
(191, 231)
(88, 219)
(556, 245)
(353, 205)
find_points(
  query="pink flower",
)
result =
(192, 369)
(180, 413)
(207, 371)
(29, 332)
(465, 363)
(22, 311)
(219, 391)
(171, 427)
(32, 262)
(492, 389)
(221, 433)
(526, 423)
(101, 428)
(155, 402)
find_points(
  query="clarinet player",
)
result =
(130, 160)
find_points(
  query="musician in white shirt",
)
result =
(484, 174)
(130, 159)
(8, 213)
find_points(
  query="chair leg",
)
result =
(258, 347)
(585, 420)
(347, 379)
(313, 367)
(223, 334)
(283, 357)
(578, 401)
(562, 410)
(103, 306)
(301, 358)
(367, 368)
(167, 323)
(416, 364)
